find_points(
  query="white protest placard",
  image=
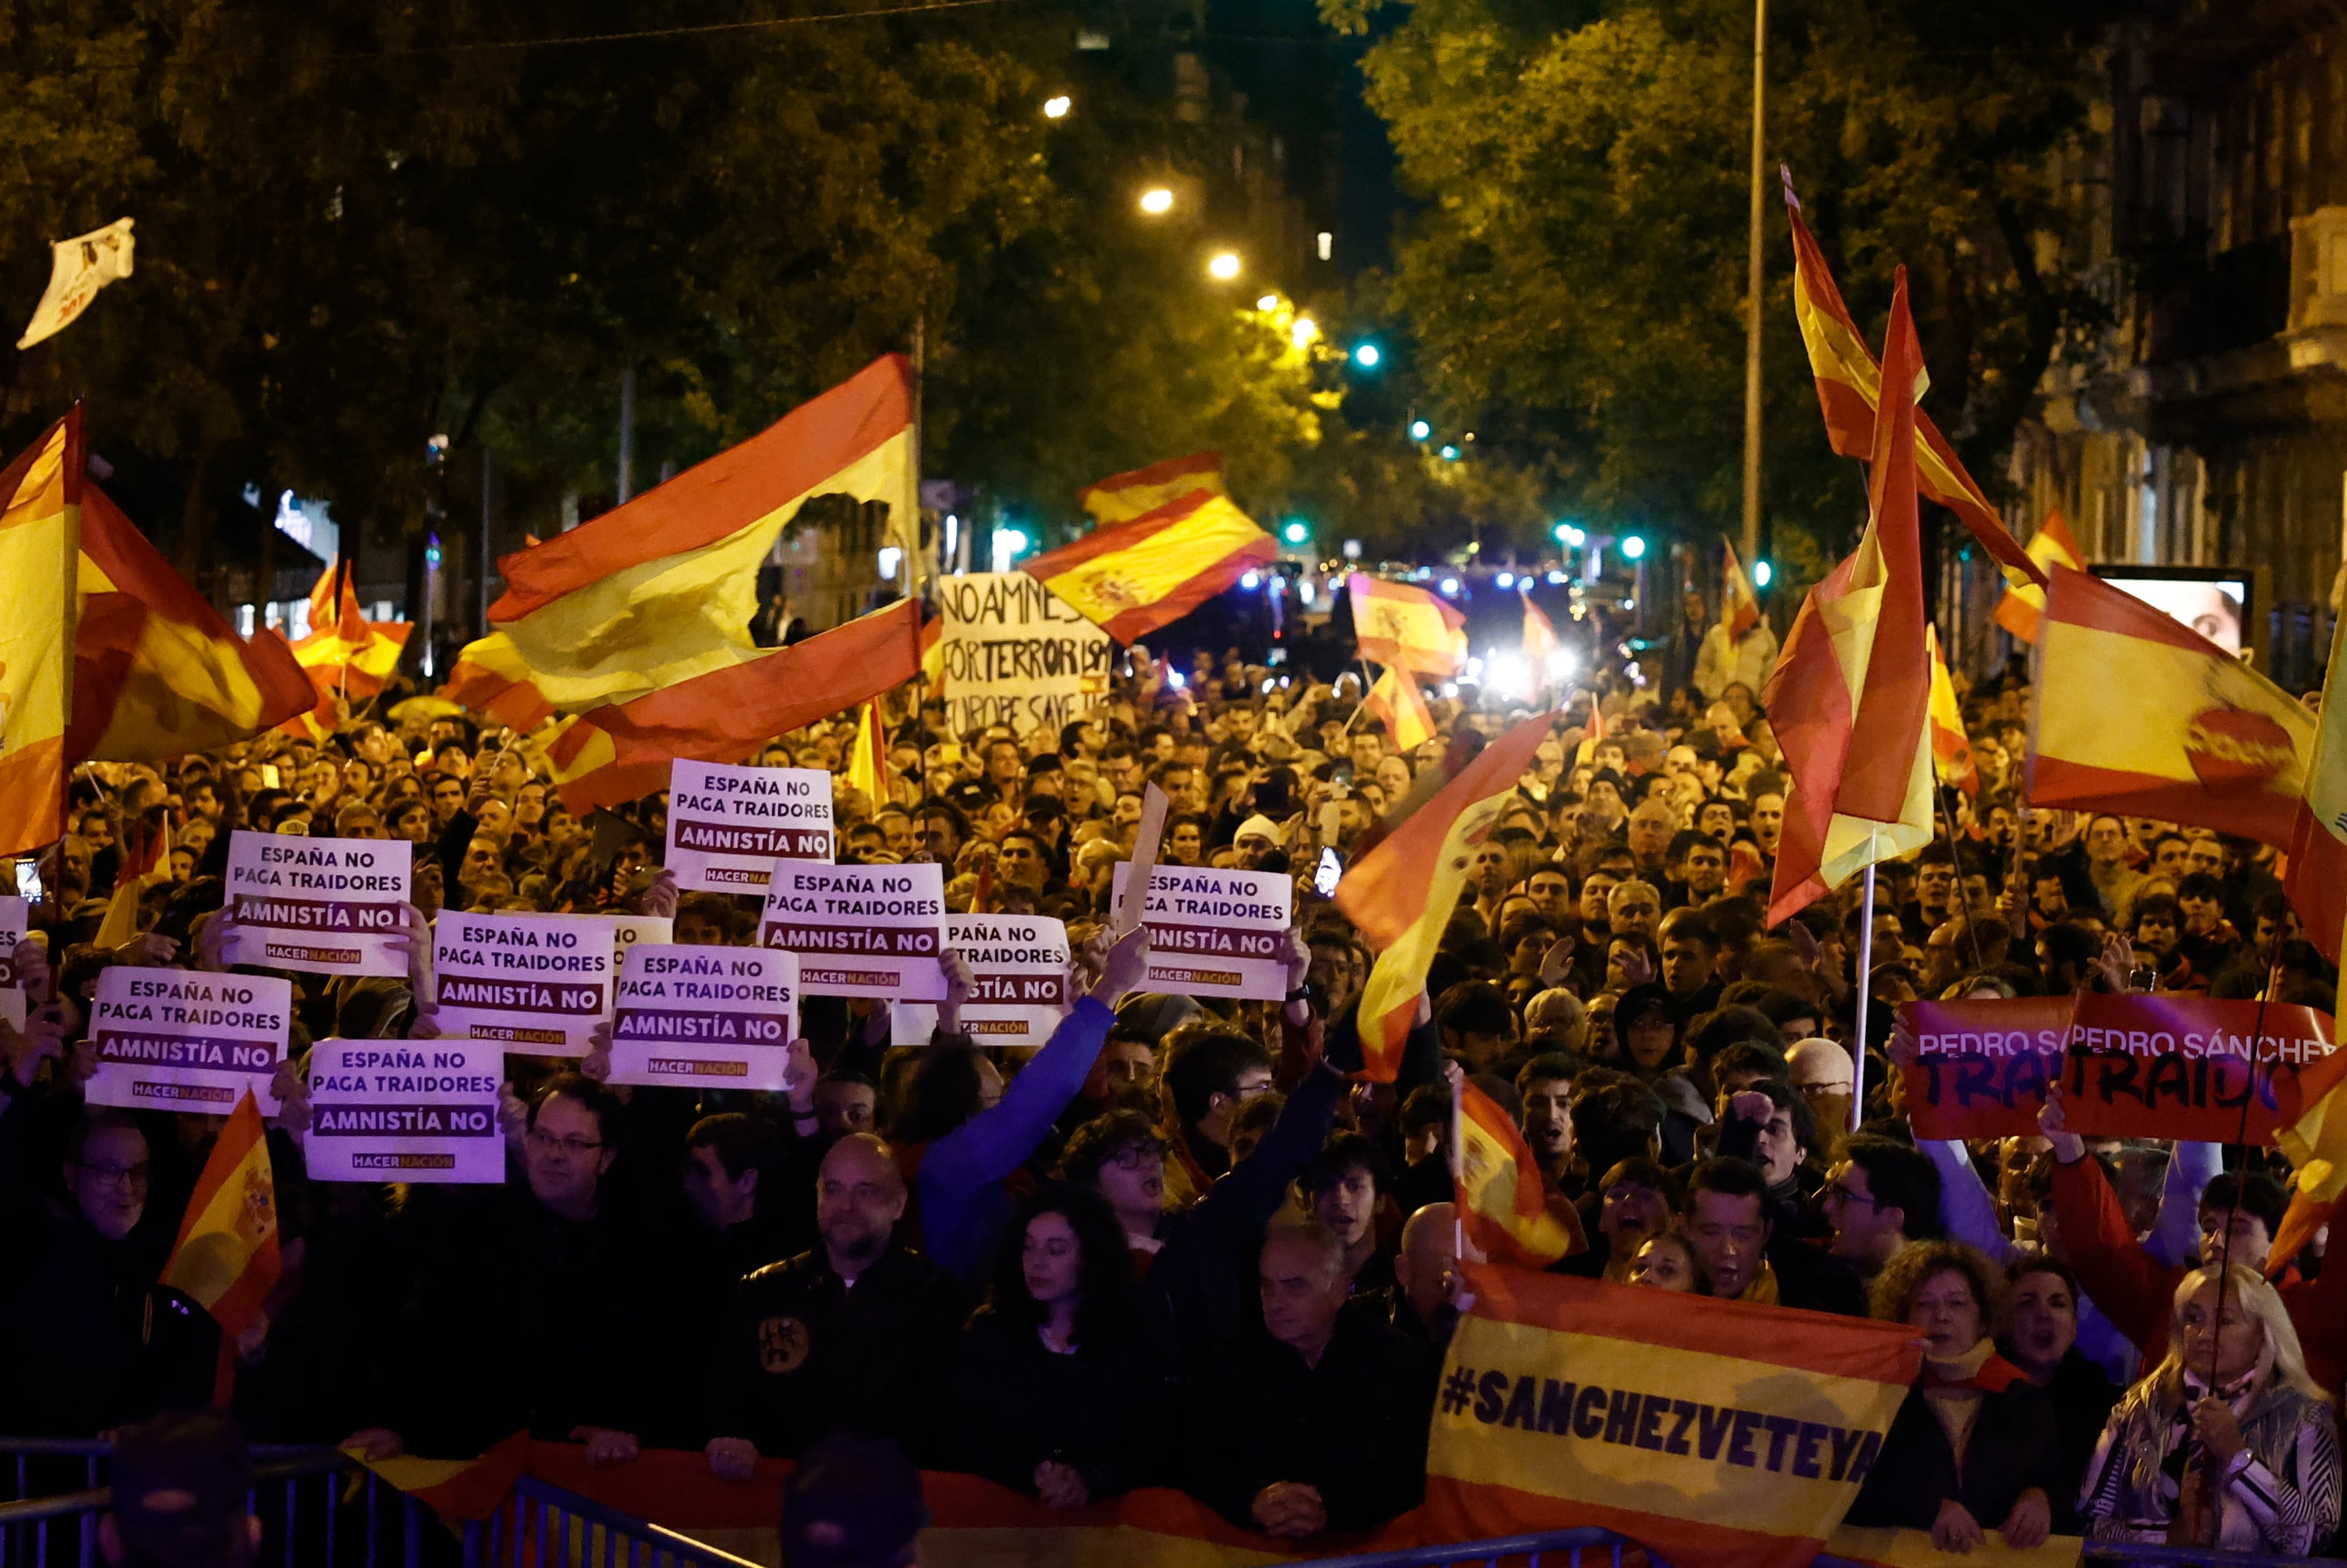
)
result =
(727, 825)
(860, 931)
(537, 984)
(718, 1016)
(627, 929)
(405, 1109)
(181, 1039)
(324, 906)
(1019, 988)
(1015, 654)
(15, 923)
(1215, 934)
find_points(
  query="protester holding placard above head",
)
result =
(1973, 1449)
(2226, 1442)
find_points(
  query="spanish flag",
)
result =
(662, 590)
(1740, 608)
(1540, 644)
(1850, 386)
(1850, 695)
(1717, 1434)
(1398, 624)
(1952, 748)
(157, 672)
(1400, 893)
(622, 751)
(40, 529)
(1132, 577)
(345, 654)
(2051, 546)
(1504, 1203)
(867, 766)
(227, 1252)
(2138, 713)
(1397, 702)
(1122, 498)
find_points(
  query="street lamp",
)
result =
(1157, 200)
(1303, 332)
(1056, 107)
(1634, 548)
(1419, 430)
(1224, 266)
(1367, 356)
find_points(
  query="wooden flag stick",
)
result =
(1145, 838)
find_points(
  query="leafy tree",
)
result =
(1576, 277)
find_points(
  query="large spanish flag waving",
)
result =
(662, 590)
(1400, 893)
(345, 654)
(1717, 1433)
(2023, 603)
(1122, 498)
(157, 672)
(1850, 695)
(1398, 624)
(622, 751)
(2138, 713)
(227, 1252)
(1849, 388)
(1132, 577)
(40, 527)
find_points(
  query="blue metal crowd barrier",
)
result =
(1587, 1548)
(321, 1508)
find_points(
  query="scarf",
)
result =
(1954, 1388)
(1762, 1291)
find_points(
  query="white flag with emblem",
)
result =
(78, 268)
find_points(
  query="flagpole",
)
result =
(1458, 1169)
(1755, 280)
(1865, 987)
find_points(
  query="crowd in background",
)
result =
(1183, 1243)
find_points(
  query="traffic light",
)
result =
(1762, 573)
(1296, 531)
(1569, 537)
(1634, 548)
(1368, 355)
(1419, 430)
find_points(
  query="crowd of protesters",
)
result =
(1183, 1244)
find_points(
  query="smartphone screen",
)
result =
(28, 880)
(1326, 875)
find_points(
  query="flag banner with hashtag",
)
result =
(1712, 1432)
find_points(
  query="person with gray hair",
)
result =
(1555, 1019)
(1317, 1418)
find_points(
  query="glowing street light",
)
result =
(1763, 574)
(1419, 430)
(1449, 455)
(1304, 330)
(1157, 200)
(1267, 304)
(1056, 107)
(1224, 266)
(1368, 355)
(1634, 548)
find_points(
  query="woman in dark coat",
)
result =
(1973, 1449)
(1063, 1388)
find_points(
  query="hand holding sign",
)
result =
(2054, 1121)
(1127, 962)
(956, 969)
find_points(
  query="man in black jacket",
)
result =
(1318, 1419)
(856, 1336)
(1728, 1224)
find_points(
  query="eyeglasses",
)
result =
(1136, 1158)
(1838, 1192)
(117, 1175)
(577, 1148)
(1249, 1091)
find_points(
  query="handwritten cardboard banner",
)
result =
(1019, 988)
(1215, 934)
(860, 931)
(537, 984)
(173, 1040)
(720, 1016)
(727, 825)
(405, 1109)
(1015, 653)
(322, 906)
(2141, 1065)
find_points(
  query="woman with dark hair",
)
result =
(1973, 1449)
(1062, 1387)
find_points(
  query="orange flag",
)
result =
(1952, 748)
(226, 1256)
(1122, 498)
(1400, 893)
(1850, 695)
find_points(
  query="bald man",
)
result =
(1315, 1420)
(1420, 1303)
(856, 1336)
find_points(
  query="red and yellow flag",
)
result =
(157, 672)
(2138, 713)
(1850, 695)
(1739, 608)
(663, 590)
(622, 751)
(2023, 603)
(227, 1252)
(1850, 387)
(867, 766)
(1540, 644)
(1715, 1433)
(1504, 1203)
(1952, 748)
(1400, 893)
(1398, 624)
(1397, 702)
(40, 528)
(345, 654)
(1129, 578)
(1122, 498)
